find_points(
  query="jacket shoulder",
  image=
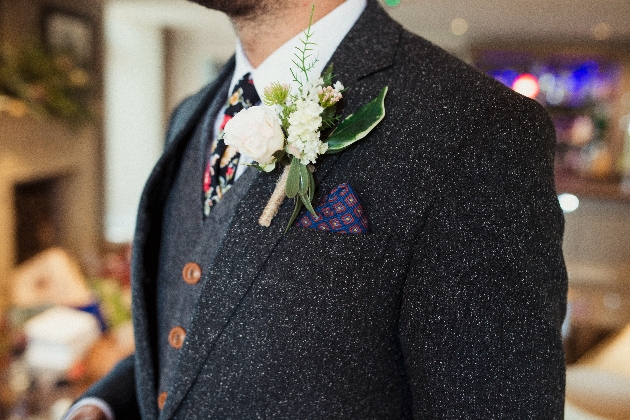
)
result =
(459, 124)
(461, 100)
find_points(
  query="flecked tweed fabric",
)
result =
(449, 308)
(194, 238)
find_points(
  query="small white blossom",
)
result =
(303, 131)
(338, 86)
(311, 90)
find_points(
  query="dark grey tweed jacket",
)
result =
(449, 308)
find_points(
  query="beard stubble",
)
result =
(239, 8)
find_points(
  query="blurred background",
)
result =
(86, 89)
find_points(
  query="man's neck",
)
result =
(262, 34)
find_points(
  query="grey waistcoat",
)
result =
(189, 239)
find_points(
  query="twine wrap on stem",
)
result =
(275, 201)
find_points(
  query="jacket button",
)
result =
(176, 337)
(162, 399)
(191, 273)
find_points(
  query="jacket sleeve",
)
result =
(118, 390)
(485, 294)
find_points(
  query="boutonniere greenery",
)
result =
(294, 127)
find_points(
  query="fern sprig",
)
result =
(303, 54)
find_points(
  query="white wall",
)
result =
(137, 63)
(133, 129)
(188, 62)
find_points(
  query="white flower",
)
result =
(311, 90)
(255, 132)
(303, 131)
(306, 117)
(338, 86)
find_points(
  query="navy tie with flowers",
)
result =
(220, 168)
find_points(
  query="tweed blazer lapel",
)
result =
(148, 233)
(369, 47)
(247, 245)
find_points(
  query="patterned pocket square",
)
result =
(338, 212)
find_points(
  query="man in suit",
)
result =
(449, 306)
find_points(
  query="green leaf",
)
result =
(278, 155)
(293, 179)
(358, 125)
(262, 168)
(327, 75)
(255, 166)
(308, 204)
(282, 158)
(303, 179)
(285, 161)
(311, 186)
(329, 117)
(296, 213)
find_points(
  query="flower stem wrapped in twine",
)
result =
(276, 199)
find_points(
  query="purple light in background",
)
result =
(564, 81)
(505, 76)
(577, 89)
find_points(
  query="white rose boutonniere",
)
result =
(256, 132)
(295, 127)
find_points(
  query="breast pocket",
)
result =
(336, 246)
(328, 266)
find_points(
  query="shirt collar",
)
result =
(328, 32)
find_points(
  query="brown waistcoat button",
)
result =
(176, 337)
(191, 273)
(162, 399)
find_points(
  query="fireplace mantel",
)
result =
(33, 149)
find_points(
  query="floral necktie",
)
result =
(219, 173)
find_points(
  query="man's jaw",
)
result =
(237, 9)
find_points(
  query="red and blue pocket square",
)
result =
(339, 212)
